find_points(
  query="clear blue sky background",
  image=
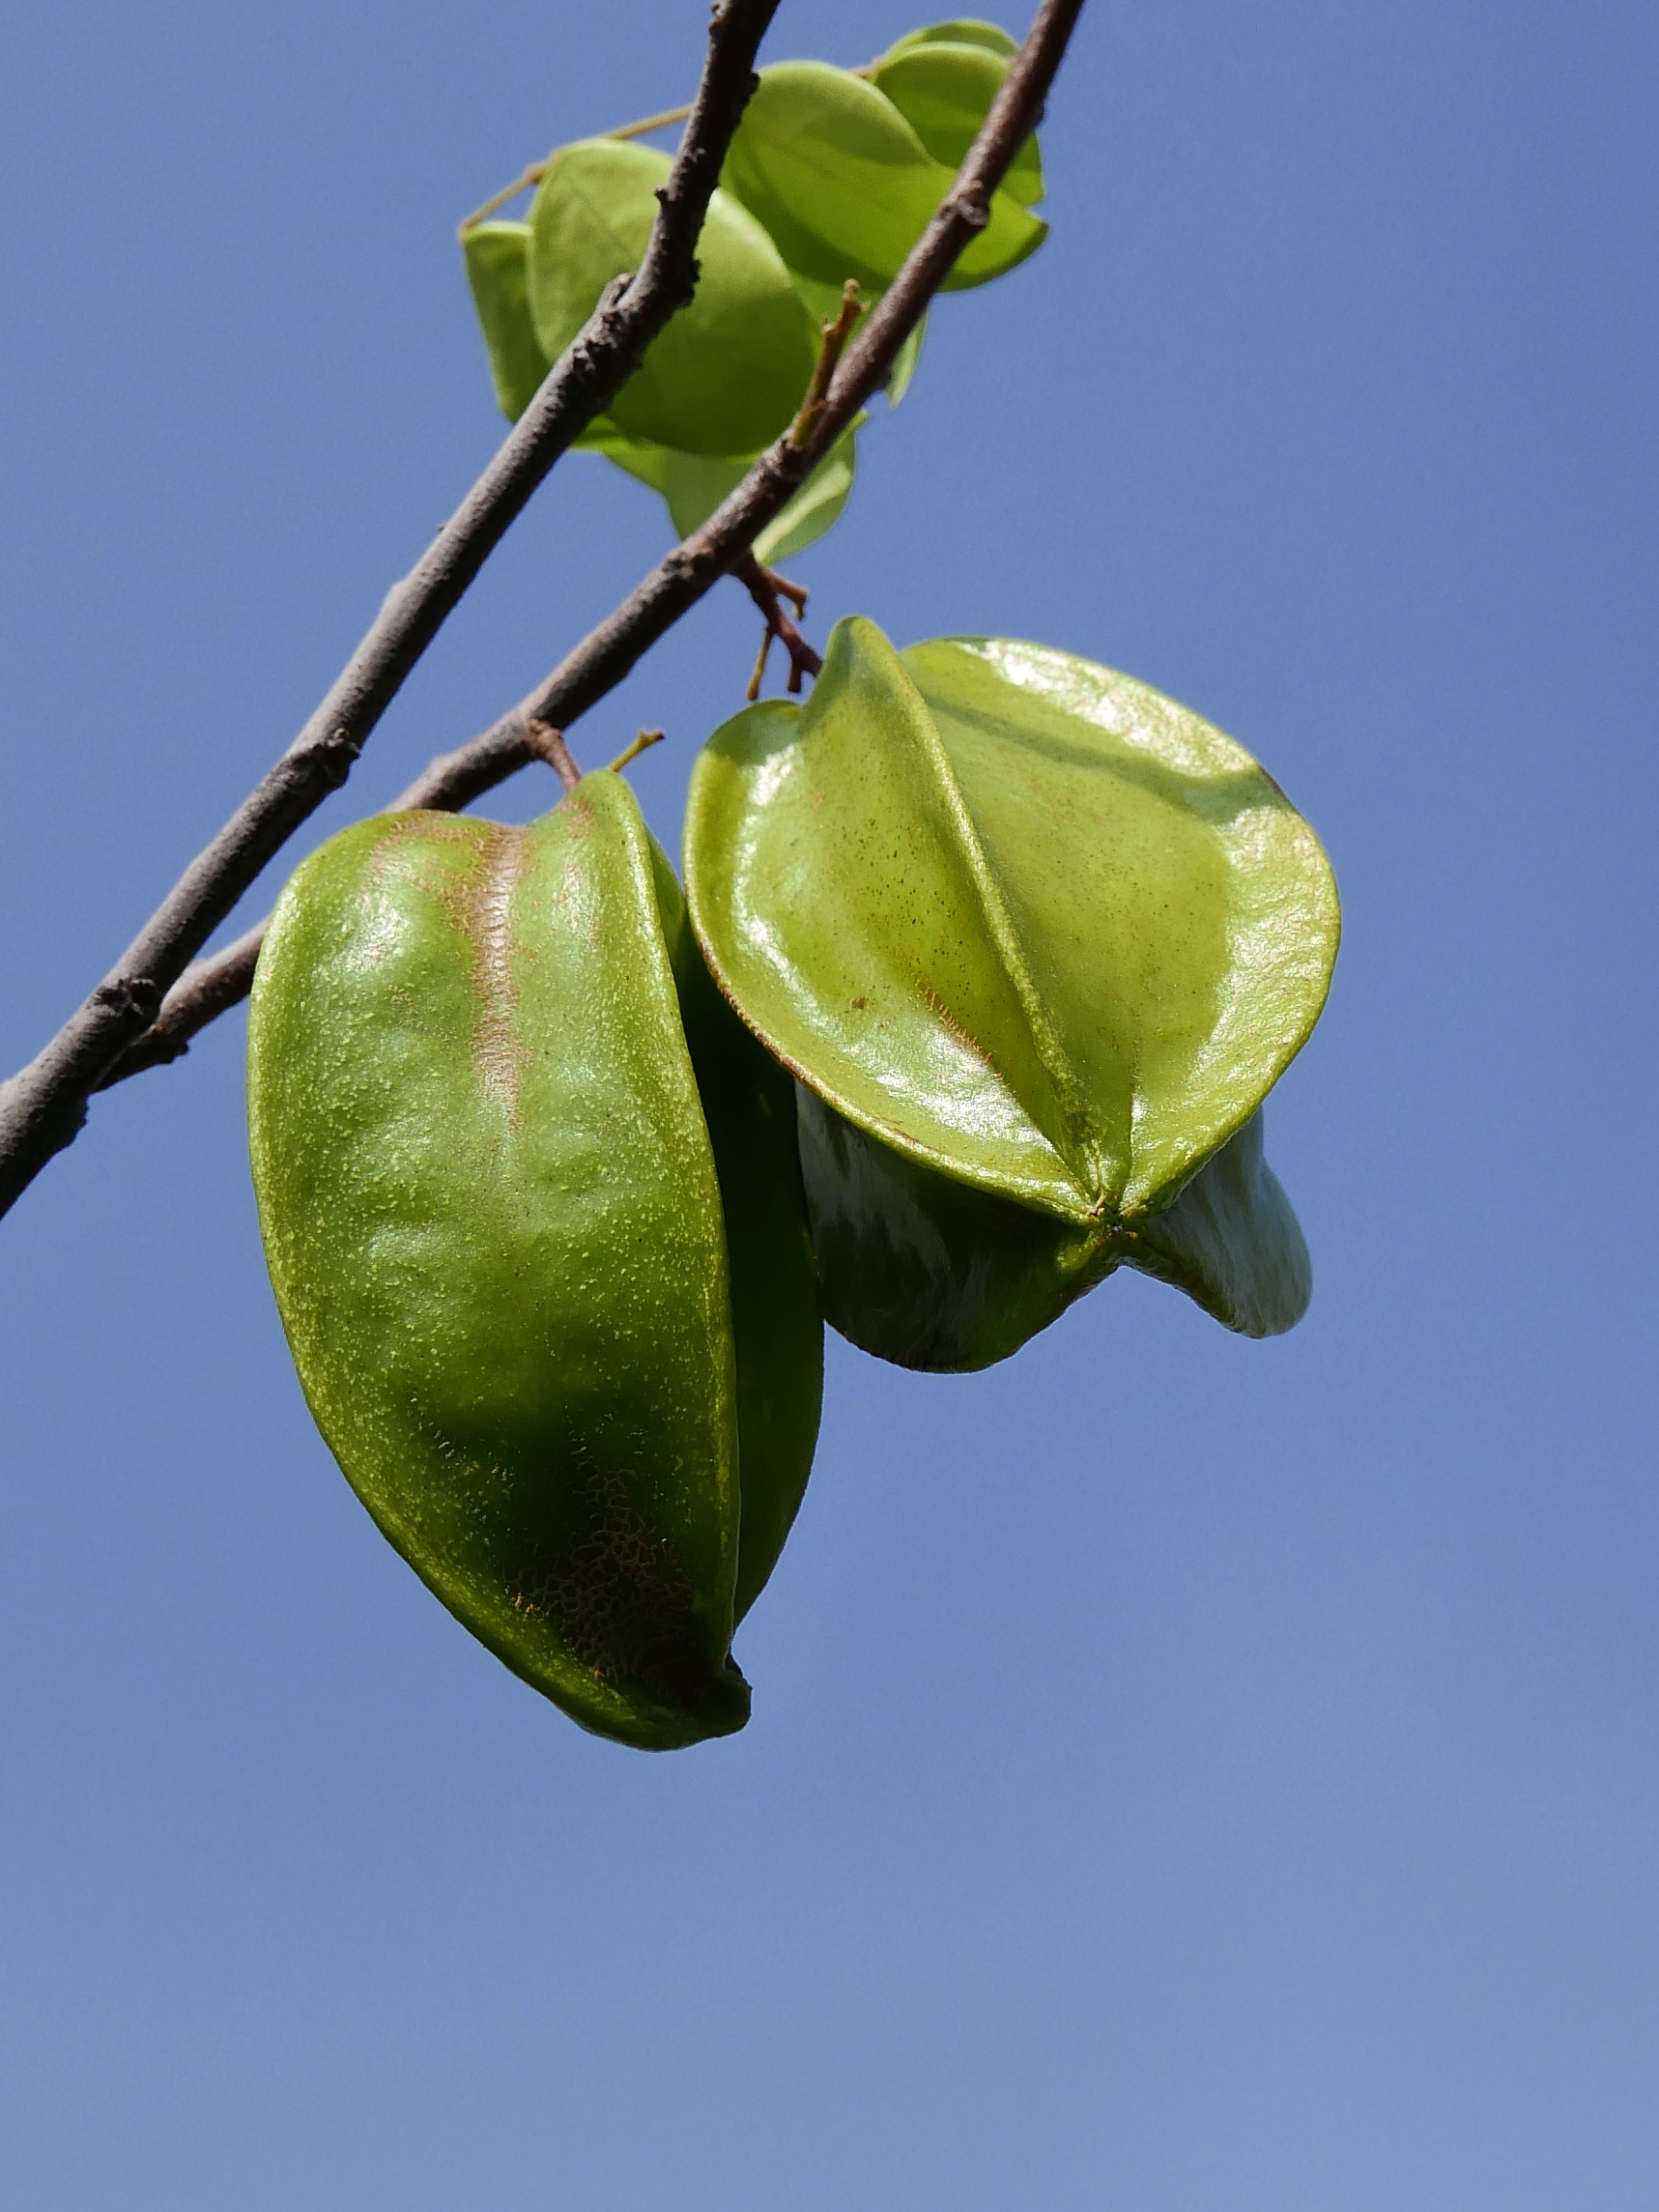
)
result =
(1186, 1775)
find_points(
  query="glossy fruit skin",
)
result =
(495, 1230)
(1037, 942)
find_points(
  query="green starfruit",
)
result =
(534, 1218)
(846, 187)
(1036, 942)
(691, 485)
(958, 31)
(943, 88)
(729, 371)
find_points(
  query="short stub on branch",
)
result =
(548, 744)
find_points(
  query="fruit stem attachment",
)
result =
(538, 170)
(548, 744)
(768, 590)
(642, 744)
(836, 335)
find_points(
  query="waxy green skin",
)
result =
(495, 1228)
(496, 255)
(1037, 942)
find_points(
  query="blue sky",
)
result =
(1185, 1775)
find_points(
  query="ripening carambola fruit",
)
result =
(1036, 942)
(534, 1218)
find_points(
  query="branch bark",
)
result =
(608, 654)
(603, 658)
(42, 1108)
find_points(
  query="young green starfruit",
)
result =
(690, 484)
(496, 255)
(727, 373)
(845, 186)
(942, 81)
(1036, 942)
(534, 1218)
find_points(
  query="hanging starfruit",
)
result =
(534, 1218)
(845, 186)
(942, 81)
(729, 371)
(692, 485)
(1036, 942)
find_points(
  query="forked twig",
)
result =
(835, 337)
(768, 590)
(642, 743)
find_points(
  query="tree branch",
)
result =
(43, 1107)
(607, 654)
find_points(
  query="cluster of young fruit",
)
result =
(986, 960)
(831, 178)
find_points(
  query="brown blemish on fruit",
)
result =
(619, 1598)
(497, 1048)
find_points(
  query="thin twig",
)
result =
(538, 170)
(207, 988)
(835, 337)
(768, 590)
(642, 743)
(607, 654)
(42, 1108)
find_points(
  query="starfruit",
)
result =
(691, 485)
(534, 1218)
(845, 186)
(1036, 942)
(942, 81)
(727, 372)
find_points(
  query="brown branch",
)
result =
(42, 1108)
(607, 654)
(548, 744)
